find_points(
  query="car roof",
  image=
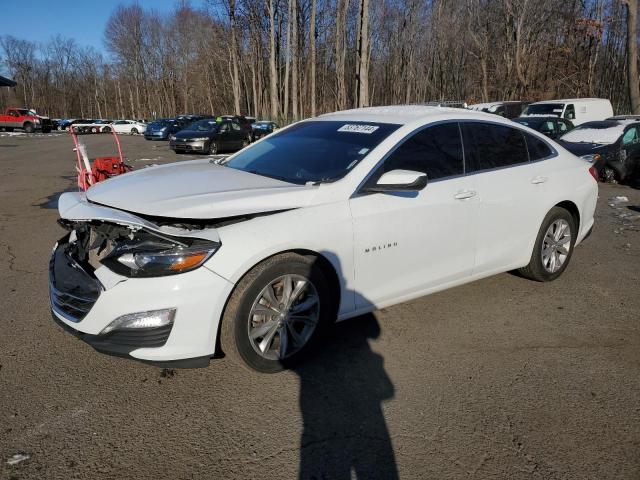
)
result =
(405, 114)
(568, 100)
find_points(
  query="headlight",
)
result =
(162, 129)
(172, 137)
(147, 255)
(593, 158)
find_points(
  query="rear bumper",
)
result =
(198, 298)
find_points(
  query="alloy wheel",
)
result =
(283, 317)
(556, 245)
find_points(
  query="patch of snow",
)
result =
(17, 458)
(594, 135)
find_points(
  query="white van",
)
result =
(577, 110)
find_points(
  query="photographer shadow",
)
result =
(342, 388)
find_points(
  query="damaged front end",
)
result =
(99, 253)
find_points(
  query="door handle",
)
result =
(538, 180)
(464, 194)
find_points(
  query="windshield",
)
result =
(203, 126)
(314, 151)
(527, 122)
(162, 123)
(604, 132)
(554, 109)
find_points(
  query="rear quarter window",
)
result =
(538, 149)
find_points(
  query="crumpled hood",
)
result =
(198, 189)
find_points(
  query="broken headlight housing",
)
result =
(144, 254)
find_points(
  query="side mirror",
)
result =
(399, 181)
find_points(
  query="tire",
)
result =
(29, 127)
(134, 131)
(240, 319)
(543, 267)
(245, 142)
(213, 147)
(46, 130)
(106, 130)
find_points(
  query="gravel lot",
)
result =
(502, 378)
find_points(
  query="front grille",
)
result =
(73, 307)
(73, 289)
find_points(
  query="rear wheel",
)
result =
(106, 130)
(276, 313)
(134, 131)
(553, 248)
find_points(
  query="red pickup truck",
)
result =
(25, 119)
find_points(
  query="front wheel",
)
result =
(29, 127)
(276, 313)
(106, 130)
(553, 248)
(134, 131)
(213, 148)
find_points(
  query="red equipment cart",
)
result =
(101, 168)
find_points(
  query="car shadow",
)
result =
(343, 384)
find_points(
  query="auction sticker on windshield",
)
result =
(353, 128)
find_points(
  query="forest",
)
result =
(292, 59)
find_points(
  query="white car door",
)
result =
(120, 126)
(511, 192)
(408, 242)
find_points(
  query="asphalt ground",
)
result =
(502, 378)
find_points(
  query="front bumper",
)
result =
(188, 146)
(198, 297)
(156, 135)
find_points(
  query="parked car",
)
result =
(132, 127)
(209, 136)
(613, 146)
(507, 109)
(268, 248)
(624, 117)
(263, 128)
(162, 129)
(244, 123)
(576, 110)
(25, 119)
(552, 127)
(64, 123)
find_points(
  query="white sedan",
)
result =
(258, 255)
(131, 127)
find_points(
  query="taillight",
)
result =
(594, 173)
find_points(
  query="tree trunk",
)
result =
(294, 64)
(234, 58)
(287, 62)
(632, 55)
(273, 74)
(341, 88)
(362, 77)
(312, 46)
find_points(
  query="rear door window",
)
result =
(488, 146)
(436, 151)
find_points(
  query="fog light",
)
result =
(151, 319)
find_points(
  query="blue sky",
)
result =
(82, 20)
